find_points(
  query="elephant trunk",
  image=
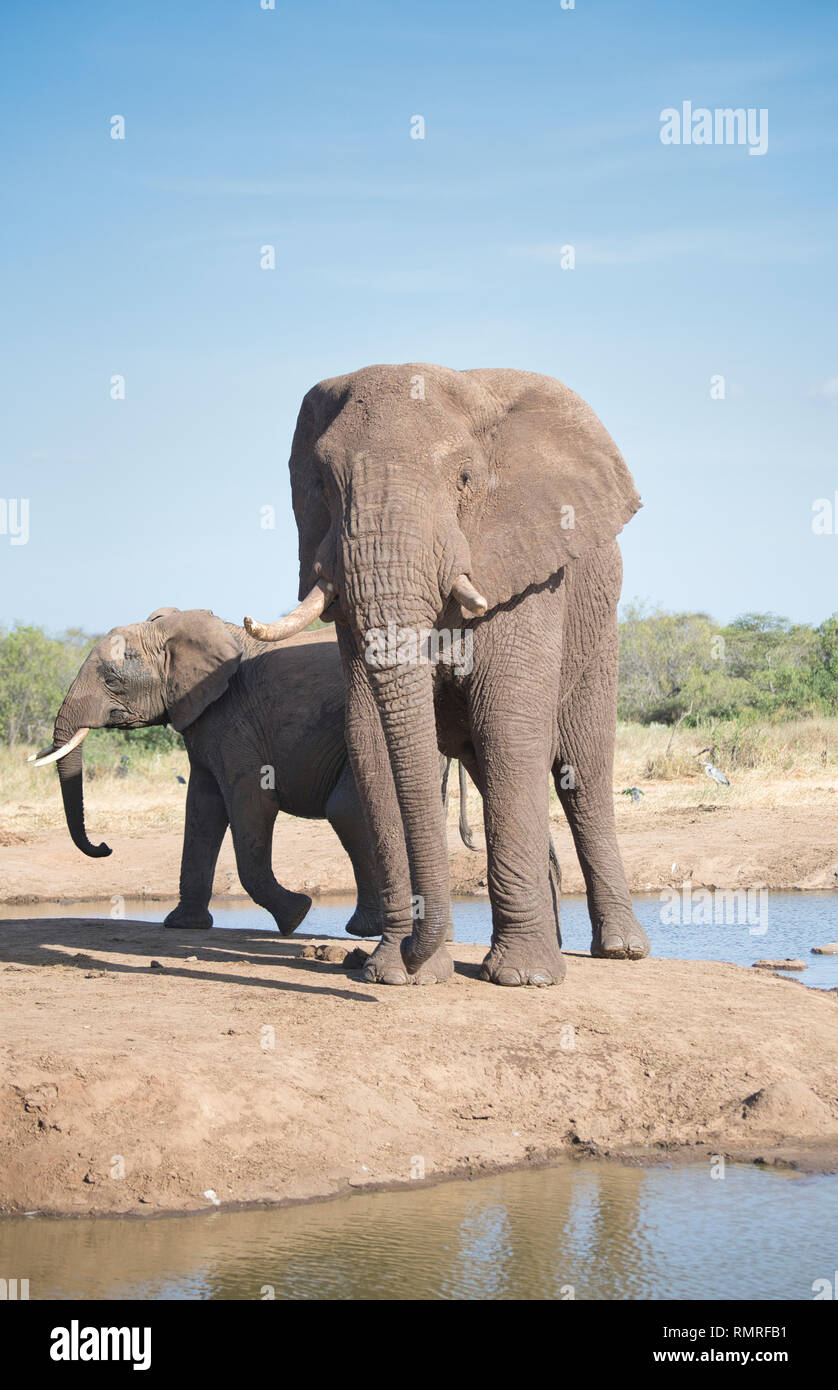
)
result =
(70, 776)
(392, 603)
(404, 697)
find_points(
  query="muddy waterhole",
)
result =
(581, 1230)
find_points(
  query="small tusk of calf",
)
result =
(52, 755)
(472, 604)
(315, 601)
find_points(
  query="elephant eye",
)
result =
(464, 480)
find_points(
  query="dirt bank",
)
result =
(712, 846)
(240, 1069)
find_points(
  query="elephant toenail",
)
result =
(539, 978)
(508, 976)
(394, 977)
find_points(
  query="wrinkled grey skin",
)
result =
(404, 478)
(241, 707)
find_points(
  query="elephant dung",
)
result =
(330, 952)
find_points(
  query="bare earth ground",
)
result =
(174, 1076)
(238, 1068)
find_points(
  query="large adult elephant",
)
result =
(264, 730)
(427, 498)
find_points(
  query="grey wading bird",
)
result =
(716, 775)
(712, 772)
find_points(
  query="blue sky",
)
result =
(291, 127)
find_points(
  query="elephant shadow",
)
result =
(38, 942)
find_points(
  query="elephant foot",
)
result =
(532, 961)
(294, 908)
(189, 919)
(365, 922)
(620, 938)
(386, 967)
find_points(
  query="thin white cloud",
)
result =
(826, 390)
(737, 72)
(215, 187)
(716, 243)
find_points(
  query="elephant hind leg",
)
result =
(346, 817)
(252, 816)
(513, 778)
(583, 774)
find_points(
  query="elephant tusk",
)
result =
(52, 755)
(472, 604)
(311, 607)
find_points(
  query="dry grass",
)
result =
(791, 764)
(800, 748)
(149, 797)
(795, 763)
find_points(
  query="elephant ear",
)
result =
(200, 657)
(557, 484)
(310, 510)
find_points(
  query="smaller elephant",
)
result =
(264, 730)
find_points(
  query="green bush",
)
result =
(685, 666)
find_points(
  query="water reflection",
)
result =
(590, 1231)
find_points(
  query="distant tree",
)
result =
(776, 658)
(35, 673)
(684, 665)
(825, 664)
(662, 655)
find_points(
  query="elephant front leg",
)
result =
(584, 777)
(205, 824)
(514, 759)
(377, 793)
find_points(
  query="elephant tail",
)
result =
(465, 829)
